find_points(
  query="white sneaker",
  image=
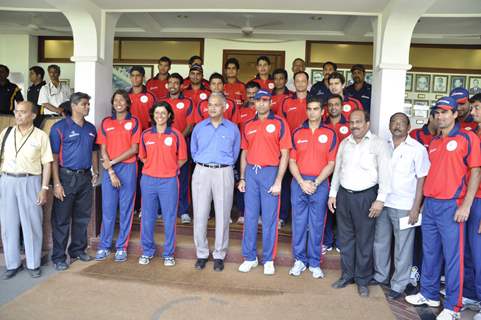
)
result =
(185, 219)
(169, 261)
(316, 272)
(419, 299)
(338, 250)
(281, 224)
(447, 314)
(471, 304)
(298, 268)
(477, 316)
(246, 266)
(145, 259)
(259, 221)
(269, 269)
(240, 220)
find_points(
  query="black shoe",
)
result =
(218, 265)
(394, 295)
(11, 273)
(34, 273)
(363, 291)
(200, 264)
(61, 266)
(341, 283)
(374, 282)
(83, 257)
(410, 290)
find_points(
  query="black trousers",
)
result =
(71, 215)
(355, 232)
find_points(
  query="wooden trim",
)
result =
(41, 49)
(446, 70)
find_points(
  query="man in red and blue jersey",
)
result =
(142, 100)
(234, 88)
(266, 141)
(335, 119)
(196, 90)
(158, 84)
(425, 134)
(263, 77)
(336, 86)
(454, 154)
(194, 60)
(280, 91)
(465, 119)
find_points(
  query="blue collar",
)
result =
(181, 95)
(270, 116)
(286, 92)
(127, 117)
(168, 129)
(305, 124)
(343, 120)
(426, 130)
(454, 131)
(144, 89)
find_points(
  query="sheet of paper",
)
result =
(404, 222)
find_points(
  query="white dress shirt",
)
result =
(360, 166)
(290, 85)
(53, 95)
(410, 161)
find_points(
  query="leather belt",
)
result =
(359, 191)
(213, 165)
(20, 175)
(70, 171)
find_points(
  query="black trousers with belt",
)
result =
(355, 231)
(72, 214)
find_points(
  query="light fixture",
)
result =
(315, 18)
(182, 16)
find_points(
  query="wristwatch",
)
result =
(316, 183)
(45, 188)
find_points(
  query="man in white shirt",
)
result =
(359, 188)
(53, 93)
(409, 166)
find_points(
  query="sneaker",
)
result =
(240, 220)
(298, 268)
(419, 299)
(185, 219)
(269, 269)
(443, 280)
(120, 256)
(477, 316)
(159, 217)
(324, 249)
(338, 250)
(281, 224)
(169, 261)
(102, 254)
(447, 314)
(259, 221)
(230, 220)
(471, 304)
(316, 272)
(140, 214)
(145, 259)
(34, 273)
(246, 266)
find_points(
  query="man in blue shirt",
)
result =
(321, 88)
(360, 89)
(74, 153)
(215, 146)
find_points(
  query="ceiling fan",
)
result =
(248, 29)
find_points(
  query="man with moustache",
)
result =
(360, 89)
(321, 88)
(297, 65)
(196, 90)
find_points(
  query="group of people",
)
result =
(274, 152)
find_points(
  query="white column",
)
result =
(392, 33)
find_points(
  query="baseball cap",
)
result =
(196, 67)
(262, 93)
(358, 67)
(461, 95)
(446, 103)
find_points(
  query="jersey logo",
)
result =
(251, 132)
(343, 130)
(110, 129)
(270, 128)
(365, 97)
(180, 105)
(153, 88)
(433, 150)
(91, 134)
(144, 99)
(73, 134)
(271, 86)
(243, 115)
(128, 126)
(226, 106)
(346, 108)
(468, 128)
(203, 96)
(150, 142)
(291, 108)
(302, 141)
(322, 138)
(166, 86)
(168, 141)
(452, 145)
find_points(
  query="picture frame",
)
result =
(422, 82)
(421, 96)
(474, 85)
(440, 83)
(439, 96)
(457, 81)
(368, 77)
(421, 102)
(316, 75)
(408, 106)
(409, 82)
(65, 82)
(120, 75)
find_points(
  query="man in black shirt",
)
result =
(9, 92)
(36, 78)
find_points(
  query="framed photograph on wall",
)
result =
(120, 75)
(423, 82)
(408, 106)
(474, 85)
(421, 102)
(440, 84)
(368, 77)
(316, 75)
(409, 82)
(458, 81)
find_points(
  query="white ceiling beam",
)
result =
(145, 21)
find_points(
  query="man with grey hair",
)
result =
(26, 166)
(215, 146)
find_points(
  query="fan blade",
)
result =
(269, 24)
(233, 25)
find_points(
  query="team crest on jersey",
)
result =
(468, 128)
(270, 128)
(343, 130)
(168, 141)
(180, 105)
(166, 86)
(203, 96)
(128, 126)
(346, 108)
(226, 106)
(322, 138)
(271, 86)
(452, 145)
(144, 99)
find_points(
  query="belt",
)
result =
(213, 165)
(20, 175)
(70, 171)
(359, 191)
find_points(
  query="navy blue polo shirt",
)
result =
(73, 144)
(320, 90)
(363, 95)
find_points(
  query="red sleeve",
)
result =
(412, 134)
(293, 152)
(285, 141)
(234, 117)
(244, 142)
(182, 146)
(474, 157)
(142, 151)
(101, 139)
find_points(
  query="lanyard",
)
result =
(15, 141)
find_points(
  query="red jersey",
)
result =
(451, 158)
(236, 91)
(264, 140)
(294, 110)
(341, 128)
(422, 135)
(349, 104)
(186, 83)
(267, 85)
(196, 95)
(246, 113)
(202, 111)
(141, 104)
(162, 152)
(159, 88)
(312, 151)
(468, 125)
(183, 109)
(277, 100)
(119, 135)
